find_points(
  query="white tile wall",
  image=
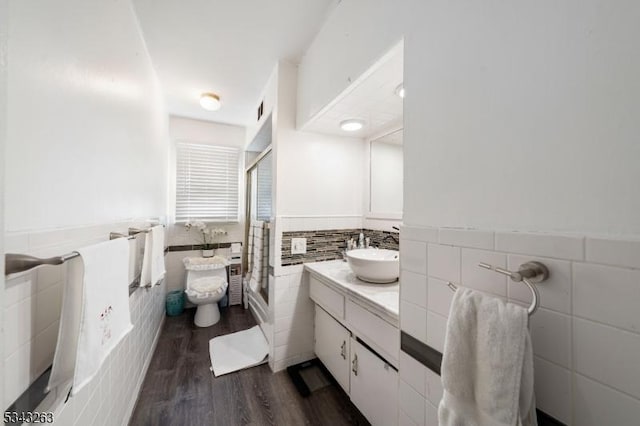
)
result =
(586, 335)
(413, 373)
(414, 288)
(436, 327)
(413, 258)
(444, 262)
(613, 252)
(293, 319)
(413, 320)
(597, 405)
(440, 297)
(31, 312)
(553, 389)
(551, 336)
(411, 403)
(607, 294)
(548, 245)
(111, 396)
(467, 238)
(608, 355)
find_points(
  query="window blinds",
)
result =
(206, 182)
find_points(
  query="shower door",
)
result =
(259, 208)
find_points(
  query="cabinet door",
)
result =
(374, 386)
(332, 346)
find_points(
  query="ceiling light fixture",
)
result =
(351, 125)
(210, 101)
(400, 90)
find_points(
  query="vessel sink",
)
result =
(378, 266)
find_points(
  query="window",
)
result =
(207, 182)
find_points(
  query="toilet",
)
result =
(206, 284)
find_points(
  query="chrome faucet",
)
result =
(393, 237)
(361, 241)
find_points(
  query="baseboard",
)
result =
(145, 368)
(288, 362)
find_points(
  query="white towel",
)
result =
(95, 313)
(487, 367)
(153, 269)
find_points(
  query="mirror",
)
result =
(385, 176)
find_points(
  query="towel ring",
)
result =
(529, 273)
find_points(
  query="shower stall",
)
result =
(259, 177)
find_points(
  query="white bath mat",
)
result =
(236, 351)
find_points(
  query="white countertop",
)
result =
(383, 299)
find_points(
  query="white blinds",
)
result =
(206, 182)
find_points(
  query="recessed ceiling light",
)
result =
(351, 125)
(210, 101)
(400, 90)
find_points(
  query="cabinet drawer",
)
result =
(374, 331)
(329, 299)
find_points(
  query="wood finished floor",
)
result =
(180, 389)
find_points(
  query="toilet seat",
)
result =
(207, 287)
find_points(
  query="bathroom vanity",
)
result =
(357, 337)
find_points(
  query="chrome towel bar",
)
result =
(529, 273)
(14, 263)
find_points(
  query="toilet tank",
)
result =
(191, 275)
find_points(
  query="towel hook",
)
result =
(528, 273)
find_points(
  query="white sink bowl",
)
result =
(378, 266)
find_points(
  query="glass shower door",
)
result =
(259, 208)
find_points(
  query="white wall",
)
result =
(206, 132)
(488, 93)
(269, 96)
(317, 174)
(87, 133)
(86, 152)
(523, 116)
(355, 35)
(385, 186)
(4, 23)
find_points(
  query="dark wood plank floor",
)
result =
(180, 389)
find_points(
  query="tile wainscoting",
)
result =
(586, 334)
(31, 310)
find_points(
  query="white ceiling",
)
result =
(394, 137)
(371, 98)
(228, 47)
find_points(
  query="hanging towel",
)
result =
(487, 365)
(95, 313)
(153, 269)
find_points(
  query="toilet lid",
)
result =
(207, 286)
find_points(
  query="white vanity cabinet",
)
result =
(374, 386)
(341, 325)
(332, 346)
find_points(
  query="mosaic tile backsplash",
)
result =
(329, 244)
